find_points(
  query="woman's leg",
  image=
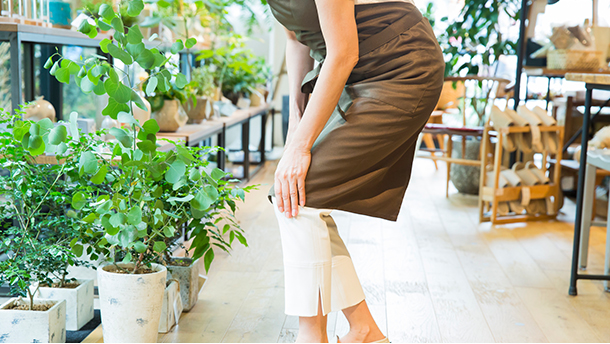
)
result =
(319, 276)
(347, 294)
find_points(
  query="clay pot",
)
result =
(171, 116)
(258, 97)
(142, 115)
(40, 109)
(198, 112)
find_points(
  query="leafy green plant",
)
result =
(37, 224)
(475, 38)
(235, 68)
(151, 196)
(203, 81)
(92, 8)
(133, 199)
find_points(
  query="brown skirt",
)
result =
(362, 160)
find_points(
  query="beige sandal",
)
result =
(544, 206)
(549, 138)
(499, 120)
(523, 140)
(535, 124)
(503, 208)
(529, 179)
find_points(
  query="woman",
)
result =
(350, 143)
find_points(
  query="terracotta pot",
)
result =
(171, 116)
(198, 112)
(40, 109)
(142, 115)
(258, 96)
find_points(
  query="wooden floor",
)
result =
(435, 275)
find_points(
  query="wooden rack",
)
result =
(490, 196)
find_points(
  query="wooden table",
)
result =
(195, 134)
(592, 81)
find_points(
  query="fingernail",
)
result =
(287, 214)
(281, 209)
(294, 213)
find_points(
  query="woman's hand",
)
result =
(290, 180)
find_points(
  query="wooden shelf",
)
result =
(490, 196)
(516, 193)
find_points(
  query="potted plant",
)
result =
(235, 69)
(260, 78)
(167, 109)
(36, 232)
(204, 89)
(121, 221)
(205, 225)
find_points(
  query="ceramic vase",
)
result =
(40, 109)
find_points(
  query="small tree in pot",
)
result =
(122, 221)
(38, 227)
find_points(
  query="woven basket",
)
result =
(585, 60)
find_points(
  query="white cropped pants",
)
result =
(316, 263)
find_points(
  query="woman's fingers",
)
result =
(294, 202)
(278, 195)
(301, 189)
(286, 196)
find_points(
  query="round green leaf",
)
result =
(175, 172)
(159, 246)
(106, 12)
(88, 163)
(117, 24)
(139, 247)
(104, 45)
(77, 250)
(151, 85)
(177, 47)
(134, 7)
(79, 200)
(190, 43)
(58, 135)
(134, 35)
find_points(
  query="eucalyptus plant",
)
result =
(133, 198)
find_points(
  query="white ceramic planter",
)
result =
(172, 307)
(188, 276)
(33, 326)
(131, 304)
(79, 302)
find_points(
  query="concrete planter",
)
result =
(172, 307)
(466, 178)
(79, 302)
(131, 304)
(188, 276)
(197, 113)
(33, 326)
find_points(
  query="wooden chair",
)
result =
(458, 94)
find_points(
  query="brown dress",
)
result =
(362, 160)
